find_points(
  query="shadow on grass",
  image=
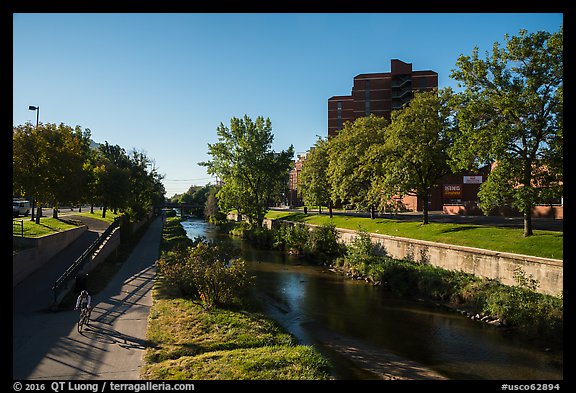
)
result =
(294, 217)
(459, 229)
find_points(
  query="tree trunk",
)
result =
(372, 212)
(425, 209)
(528, 221)
(33, 205)
(330, 208)
(104, 211)
(38, 214)
(528, 205)
(91, 208)
(55, 211)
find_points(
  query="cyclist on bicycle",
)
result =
(84, 301)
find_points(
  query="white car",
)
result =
(20, 208)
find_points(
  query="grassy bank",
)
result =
(190, 341)
(545, 244)
(110, 216)
(47, 226)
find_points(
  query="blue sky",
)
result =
(162, 83)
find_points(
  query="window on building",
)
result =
(367, 99)
(339, 115)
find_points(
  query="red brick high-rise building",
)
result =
(379, 94)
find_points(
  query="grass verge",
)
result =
(47, 226)
(545, 244)
(110, 216)
(188, 341)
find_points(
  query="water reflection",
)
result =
(298, 295)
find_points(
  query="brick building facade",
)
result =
(378, 94)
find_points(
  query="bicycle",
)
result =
(84, 318)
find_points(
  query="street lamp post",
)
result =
(37, 109)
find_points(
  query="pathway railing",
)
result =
(62, 282)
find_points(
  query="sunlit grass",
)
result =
(47, 226)
(261, 363)
(110, 216)
(545, 244)
(187, 341)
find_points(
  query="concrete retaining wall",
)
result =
(100, 255)
(109, 245)
(495, 265)
(39, 251)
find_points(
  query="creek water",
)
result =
(305, 298)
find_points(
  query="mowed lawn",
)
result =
(47, 226)
(545, 244)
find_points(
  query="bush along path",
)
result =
(203, 324)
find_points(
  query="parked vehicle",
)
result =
(20, 208)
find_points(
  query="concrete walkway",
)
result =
(46, 345)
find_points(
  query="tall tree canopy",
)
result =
(352, 169)
(415, 149)
(112, 177)
(252, 174)
(510, 113)
(313, 184)
(48, 163)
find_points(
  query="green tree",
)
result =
(145, 186)
(196, 196)
(211, 210)
(251, 172)
(313, 184)
(415, 149)
(48, 163)
(112, 173)
(27, 162)
(511, 114)
(66, 154)
(91, 196)
(352, 168)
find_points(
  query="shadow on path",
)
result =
(48, 345)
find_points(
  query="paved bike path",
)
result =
(48, 346)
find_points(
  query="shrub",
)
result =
(361, 253)
(209, 272)
(323, 243)
(297, 238)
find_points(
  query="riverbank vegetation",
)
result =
(193, 336)
(518, 307)
(544, 244)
